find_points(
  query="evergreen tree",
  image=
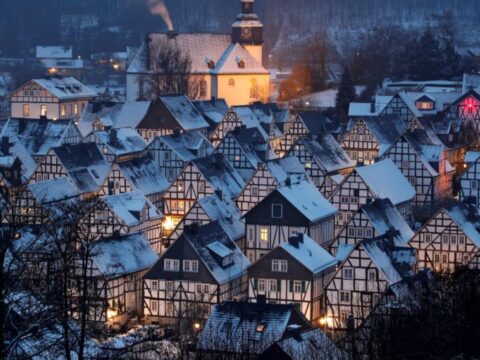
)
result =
(346, 94)
(427, 58)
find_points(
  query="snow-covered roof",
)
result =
(460, 215)
(18, 150)
(385, 217)
(233, 327)
(327, 152)
(385, 180)
(441, 100)
(310, 254)
(343, 251)
(123, 255)
(132, 113)
(54, 52)
(237, 60)
(213, 111)
(38, 136)
(306, 198)
(226, 213)
(220, 174)
(317, 122)
(287, 167)
(67, 88)
(471, 156)
(106, 115)
(312, 344)
(252, 119)
(122, 141)
(252, 143)
(63, 63)
(49, 191)
(185, 144)
(84, 164)
(182, 109)
(128, 207)
(144, 174)
(471, 81)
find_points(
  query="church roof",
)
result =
(202, 49)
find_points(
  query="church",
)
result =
(222, 66)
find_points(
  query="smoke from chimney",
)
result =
(158, 7)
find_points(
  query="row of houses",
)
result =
(194, 203)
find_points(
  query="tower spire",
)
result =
(247, 28)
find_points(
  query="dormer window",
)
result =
(425, 103)
(241, 64)
(211, 64)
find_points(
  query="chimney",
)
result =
(114, 137)
(288, 182)
(21, 126)
(294, 240)
(176, 133)
(5, 145)
(373, 107)
(219, 193)
(171, 34)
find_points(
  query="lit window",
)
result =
(181, 186)
(75, 109)
(308, 165)
(26, 110)
(277, 211)
(154, 285)
(264, 234)
(63, 110)
(43, 110)
(260, 328)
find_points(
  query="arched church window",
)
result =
(231, 82)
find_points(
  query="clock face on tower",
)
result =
(246, 33)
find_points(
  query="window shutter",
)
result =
(279, 285)
(255, 284)
(290, 286)
(303, 286)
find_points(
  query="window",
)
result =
(445, 239)
(351, 231)
(298, 286)
(461, 239)
(190, 266)
(425, 105)
(231, 82)
(206, 289)
(201, 187)
(255, 190)
(264, 234)
(474, 184)
(308, 165)
(154, 285)
(372, 275)
(344, 199)
(428, 238)
(279, 265)
(348, 273)
(368, 233)
(250, 234)
(453, 239)
(75, 109)
(437, 258)
(261, 284)
(171, 265)
(405, 164)
(26, 110)
(359, 232)
(345, 297)
(277, 211)
(169, 286)
(273, 285)
(154, 306)
(444, 259)
(169, 308)
(43, 110)
(412, 180)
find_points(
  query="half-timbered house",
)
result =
(378, 218)
(127, 213)
(324, 160)
(40, 136)
(382, 180)
(449, 239)
(115, 272)
(370, 269)
(51, 97)
(369, 137)
(213, 111)
(422, 158)
(202, 268)
(83, 163)
(118, 145)
(98, 116)
(292, 208)
(16, 167)
(245, 149)
(269, 175)
(137, 174)
(201, 177)
(215, 207)
(43, 202)
(173, 152)
(163, 117)
(294, 272)
(470, 181)
(235, 329)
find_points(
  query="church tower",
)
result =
(247, 30)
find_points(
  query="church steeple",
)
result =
(247, 28)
